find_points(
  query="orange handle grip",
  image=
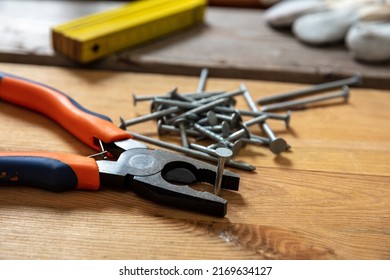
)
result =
(82, 123)
(52, 171)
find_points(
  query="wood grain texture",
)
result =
(328, 198)
(234, 43)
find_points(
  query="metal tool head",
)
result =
(165, 177)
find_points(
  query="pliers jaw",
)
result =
(116, 148)
(165, 177)
(181, 196)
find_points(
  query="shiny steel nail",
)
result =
(277, 144)
(199, 109)
(154, 115)
(223, 128)
(138, 98)
(164, 128)
(299, 103)
(233, 119)
(354, 80)
(238, 134)
(193, 153)
(182, 123)
(223, 154)
(212, 135)
(285, 117)
(203, 149)
(177, 96)
(203, 94)
(226, 95)
(203, 79)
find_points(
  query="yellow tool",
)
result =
(92, 37)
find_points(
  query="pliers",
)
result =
(155, 174)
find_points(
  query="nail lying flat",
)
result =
(193, 153)
(354, 80)
(298, 103)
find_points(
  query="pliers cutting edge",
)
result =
(156, 174)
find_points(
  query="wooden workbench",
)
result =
(328, 198)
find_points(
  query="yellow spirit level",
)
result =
(92, 37)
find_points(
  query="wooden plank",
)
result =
(245, 47)
(326, 199)
(234, 43)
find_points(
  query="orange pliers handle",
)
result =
(55, 171)
(87, 126)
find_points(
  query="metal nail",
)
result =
(212, 118)
(308, 100)
(102, 155)
(354, 80)
(235, 148)
(138, 98)
(177, 96)
(217, 145)
(260, 138)
(203, 79)
(164, 128)
(178, 103)
(154, 115)
(154, 107)
(200, 109)
(256, 120)
(223, 154)
(122, 121)
(193, 153)
(236, 113)
(285, 117)
(277, 144)
(103, 152)
(203, 94)
(227, 95)
(203, 149)
(223, 128)
(194, 105)
(244, 131)
(203, 121)
(233, 119)
(182, 123)
(253, 141)
(212, 135)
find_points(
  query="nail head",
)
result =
(224, 152)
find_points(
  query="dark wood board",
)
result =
(233, 43)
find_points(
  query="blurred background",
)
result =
(234, 40)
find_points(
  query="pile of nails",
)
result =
(212, 115)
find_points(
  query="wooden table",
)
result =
(328, 198)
